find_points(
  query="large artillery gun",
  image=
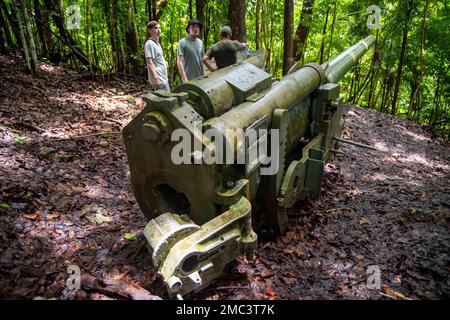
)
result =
(200, 156)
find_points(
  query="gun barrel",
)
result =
(339, 66)
(290, 91)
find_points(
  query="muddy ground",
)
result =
(66, 199)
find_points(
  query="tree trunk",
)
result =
(40, 29)
(418, 80)
(94, 41)
(257, 30)
(374, 67)
(87, 6)
(264, 32)
(207, 25)
(435, 110)
(151, 9)
(288, 41)
(199, 11)
(332, 31)
(9, 17)
(272, 69)
(7, 41)
(385, 83)
(301, 34)
(132, 41)
(45, 24)
(3, 41)
(160, 5)
(190, 9)
(112, 15)
(154, 8)
(324, 33)
(20, 23)
(236, 15)
(29, 36)
(402, 57)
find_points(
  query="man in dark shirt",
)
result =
(224, 51)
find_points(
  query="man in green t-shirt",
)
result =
(224, 51)
(190, 53)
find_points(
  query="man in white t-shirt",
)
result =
(154, 58)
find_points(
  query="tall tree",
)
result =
(151, 9)
(131, 40)
(418, 80)
(44, 22)
(4, 28)
(236, 15)
(111, 9)
(301, 35)
(9, 20)
(332, 30)
(257, 27)
(20, 23)
(288, 41)
(200, 12)
(29, 36)
(405, 27)
(160, 5)
(190, 9)
(39, 27)
(324, 33)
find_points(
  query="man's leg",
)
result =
(166, 86)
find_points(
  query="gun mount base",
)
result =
(189, 256)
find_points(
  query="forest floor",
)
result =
(66, 199)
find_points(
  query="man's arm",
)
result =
(151, 67)
(181, 71)
(207, 62)
(241, 45)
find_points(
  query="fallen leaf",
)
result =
(116, 228)
(363, 221)
(78, 189)
(271, 293)
(45, 151)
(267, 273)
(53, 215)
(130, 236)
(63, 188)
(101, 182)
(32, 216)
(98, 218)
(94, 213)
(288, 280)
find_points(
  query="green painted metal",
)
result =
(339, 66)
(203, 211)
